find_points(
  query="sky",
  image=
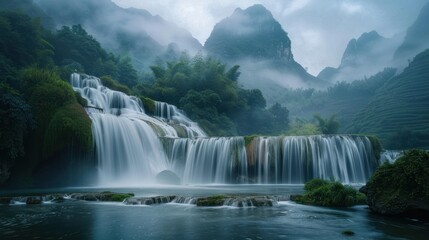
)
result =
(319, 29)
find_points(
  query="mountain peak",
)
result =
(415, 40)
(258, 10)
(359, 47)
(250, 33)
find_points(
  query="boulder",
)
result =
(168, 177)
(149, 200)
(33, 200)
(401, 188)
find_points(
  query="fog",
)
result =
(319, 30)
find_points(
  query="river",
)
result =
(287, 220)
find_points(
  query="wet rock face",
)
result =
(237, 201)
(33, 200)
(149, 200)
(168, 177)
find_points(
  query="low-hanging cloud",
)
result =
(319, 30)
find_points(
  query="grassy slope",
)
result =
(402, 104)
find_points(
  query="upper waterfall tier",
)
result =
(167, 122)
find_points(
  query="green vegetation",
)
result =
(210, 95)
(400, 187)
(109, 82)
(114, 197)
(42, 118)
(300, 127)
(249, 139)
(149, 105)
(398, 111)
(211, 201)
(328, 125)
(344, 99)
(329, 194)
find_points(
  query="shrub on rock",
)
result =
(401, 187)
(329, 194)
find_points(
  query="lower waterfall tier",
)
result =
(272, 160)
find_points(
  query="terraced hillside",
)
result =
(399, 111)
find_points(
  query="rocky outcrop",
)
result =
(103, 196)
(149, 200)
(401, 188)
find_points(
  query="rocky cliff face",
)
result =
(417, 38)
(253, 39)
(363, 57)
(250, 33)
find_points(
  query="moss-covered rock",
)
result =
(148, 104)
(376, 145)
(212, 201)
(69, 128)
(401, 187)
(329, 194)
(103, 196)
(109, 82)
(248, 139)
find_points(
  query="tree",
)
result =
(328, 125)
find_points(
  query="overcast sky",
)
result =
(319, 29)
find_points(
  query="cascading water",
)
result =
(296, 159)
(209, 160)
(174, 116)
(128, 149)
(133, 147)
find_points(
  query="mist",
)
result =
(319, 30)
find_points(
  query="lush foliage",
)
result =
(398, 111)
(329, 194)
(328, 125)
(208, 92)
(41, 116)
(76, 50)
(402, 186)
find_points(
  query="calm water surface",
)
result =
(93, 220)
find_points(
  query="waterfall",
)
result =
(132, 147)
(296, 159)
(176, 117)
(209, 160)
(273, 160)
(127, 145)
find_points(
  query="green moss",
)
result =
(211, 201)
(329, 194)
(70, 128)
(82, 101)
(402, 186)
(376, 145)
(114, 85)
(148, 104)
(115, 197)
(249, 139)
(181, 132)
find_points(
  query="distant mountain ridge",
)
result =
(363, 57)
(416, 39)
(250, 33)
(257, 42)
(134, 32)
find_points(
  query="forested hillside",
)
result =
(398, 113)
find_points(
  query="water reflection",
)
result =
(87, 220)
